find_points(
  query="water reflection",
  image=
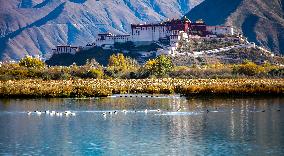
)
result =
(250, 126)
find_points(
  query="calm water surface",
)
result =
(253, 126)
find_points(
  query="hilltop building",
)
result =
(144, 34)
(169, 30)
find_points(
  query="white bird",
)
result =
(158, 110)
(104, 114)
(146, 111)
(52, 113)
(67, 112)
(38, 112)
(57, 113)
(115, 112)
(124, 111)
(29, 113)
(73, 114)
(47, 112)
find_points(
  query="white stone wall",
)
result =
(106, 40)
(174, 39)
(122, 39)
(149, 34)
(111, 39)
(181, 35)
(220, 30)
(142, 34)
(169, 51)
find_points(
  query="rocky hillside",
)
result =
(262, 21)
(35, 26)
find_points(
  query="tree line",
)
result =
(123, 67)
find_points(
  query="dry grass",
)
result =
(106, 87)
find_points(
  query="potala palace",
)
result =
(171, 31)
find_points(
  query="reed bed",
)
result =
(105, 87)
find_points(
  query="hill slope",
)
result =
(35, 26)
(262, 21)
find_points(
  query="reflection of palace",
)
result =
(234, 119)
(184, 126)
(247, 120)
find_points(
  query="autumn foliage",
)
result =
(123, 67)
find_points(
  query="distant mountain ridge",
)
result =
(35, 26)
(262, 21)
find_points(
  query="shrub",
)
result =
(248, 68)
(95, 73)
(103, 87)
(277, 73)
(160, 66)
(120, 66)
(31, 62)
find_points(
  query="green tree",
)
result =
(31, 62)
(160, 66)
(95, 73)
(117, 62)
(120, 63)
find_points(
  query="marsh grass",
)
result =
(105, 87)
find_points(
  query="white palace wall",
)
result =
(149, 33)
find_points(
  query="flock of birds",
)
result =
(52, 113)
(69, 113)
(125, 111)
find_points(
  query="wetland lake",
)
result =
(142, 125)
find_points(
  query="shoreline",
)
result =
(37, 88)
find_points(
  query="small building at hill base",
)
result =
(64, 49)
(110, 39)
